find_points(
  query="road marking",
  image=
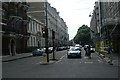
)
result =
(85, 57)
(60, 59)
(88, 62)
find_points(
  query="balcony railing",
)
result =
(110, 21)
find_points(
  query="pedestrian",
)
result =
(110, 51)
(86, 50)
(89, 53)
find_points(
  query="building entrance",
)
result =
(12, 47)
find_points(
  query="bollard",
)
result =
(44, 58)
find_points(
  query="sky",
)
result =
(74, 12)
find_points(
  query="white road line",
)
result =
(88, 62)
(85, 57)
(61, 58)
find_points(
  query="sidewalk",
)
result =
(23, 55)
(17, 56)
(116, 58)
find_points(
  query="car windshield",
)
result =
(74, 49)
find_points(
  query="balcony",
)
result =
(111, 21)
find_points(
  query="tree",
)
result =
(83, 35)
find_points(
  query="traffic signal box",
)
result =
(43, 32)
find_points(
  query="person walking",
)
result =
(110, 51)
(89, 53)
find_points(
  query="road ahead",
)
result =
(63, 68)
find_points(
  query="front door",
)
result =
(12, 47)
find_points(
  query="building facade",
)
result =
(35, 29)
(95, 26)
(55, 24)
(14, 27)
(111, 24)
(106, 16)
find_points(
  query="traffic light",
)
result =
(43, 32)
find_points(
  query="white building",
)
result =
(54, 22)
(35, 29)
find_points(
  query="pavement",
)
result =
(24, 55)
(15, 57)
(115, 60)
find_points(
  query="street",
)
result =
(63, 68)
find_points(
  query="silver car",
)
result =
(74, 52)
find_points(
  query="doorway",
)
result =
(12, 47)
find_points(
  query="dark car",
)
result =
(38, 52)
(59, 48)
(74, 52)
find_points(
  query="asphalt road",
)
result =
(63, 68)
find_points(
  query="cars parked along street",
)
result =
(38, 52)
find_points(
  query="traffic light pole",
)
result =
(46, 34)
(53, 38)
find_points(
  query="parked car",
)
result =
(50, 49)
(37, 52)
(74, 52)
(78, 45)
(60, 48)
(92, 49)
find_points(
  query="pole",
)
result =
(46, 34)
(53, 37)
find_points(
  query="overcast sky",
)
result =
(74, 12)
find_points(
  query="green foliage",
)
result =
(83, 35)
